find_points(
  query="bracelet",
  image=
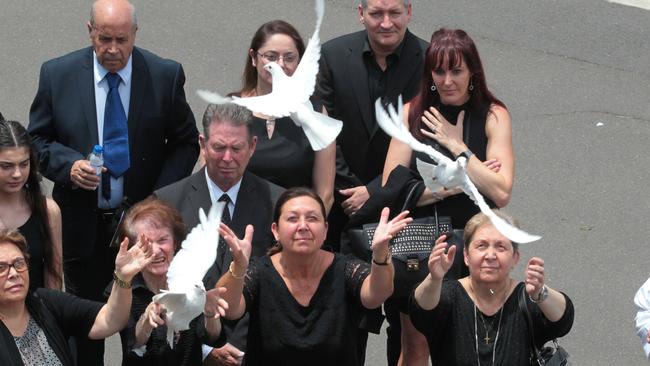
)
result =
(232, 273)
(120, 282)
(385, 262)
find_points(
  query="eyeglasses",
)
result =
(288, 58)
(20, 265)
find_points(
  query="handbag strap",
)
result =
(529, 320)
(409, 196)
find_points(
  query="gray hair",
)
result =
(230, 113)
(364, 3)
(134, 18)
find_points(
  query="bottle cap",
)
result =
(97, 149)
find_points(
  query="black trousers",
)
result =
(88, 278)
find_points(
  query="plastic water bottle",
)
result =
(96, 159)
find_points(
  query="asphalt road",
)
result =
(562, 68)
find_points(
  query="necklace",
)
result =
(270, 126)
(487, 335)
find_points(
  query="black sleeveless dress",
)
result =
(285, 159)
(459, 207)
(31, 230)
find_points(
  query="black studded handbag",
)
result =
(410, 248)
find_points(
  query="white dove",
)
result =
(290, 95)
(185, 298)
(447, 173)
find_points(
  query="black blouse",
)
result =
(283, 332)
(452, 332)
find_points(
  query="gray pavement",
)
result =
(560, 66)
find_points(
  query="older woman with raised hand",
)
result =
(476, 320)
(456, 113)
(35, 325)
(144, 340)
(305, 302)
(24, 207)
(283, 154)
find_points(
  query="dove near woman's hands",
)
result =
(240, 248)
(131, 261)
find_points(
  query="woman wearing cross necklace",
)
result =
(476, 320)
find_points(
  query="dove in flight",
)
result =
(447, 173)
(185, 298)
(290, 94)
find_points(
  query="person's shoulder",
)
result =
(265, 188)
(177, 189)
(69, 59)
(153, 60)
(346, 40)
(53, 208)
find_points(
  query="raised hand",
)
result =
(439, 261)
(129, 262)
(386, 230)
(534, 277)
(215, 306)
(240, 248)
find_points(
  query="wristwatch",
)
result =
(467, 154)
(543, 294)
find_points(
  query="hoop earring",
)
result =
(433, 87)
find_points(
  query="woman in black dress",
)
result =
(24, 207)
(283, 154)
(305, 302)
(456, 114)
(476, 320)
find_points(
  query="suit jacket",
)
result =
(343, 89)
(254, 205)
(162, 131)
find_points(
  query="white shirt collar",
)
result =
(216, 192)
(100, 72)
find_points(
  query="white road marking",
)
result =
(643, 4)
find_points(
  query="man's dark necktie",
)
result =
(116, 135)
(225, 218)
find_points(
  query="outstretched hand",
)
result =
(130, 262)
(534, 277)
(386, 230)
(215, 306)
(439, 261)
(240, 248)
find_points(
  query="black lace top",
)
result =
(283, 332)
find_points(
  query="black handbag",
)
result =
(410, 248)
(553, 355)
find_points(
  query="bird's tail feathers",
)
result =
(321, 130)
(212, 97)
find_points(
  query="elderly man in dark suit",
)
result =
(227, 144)
(128, 100)
(382, 61)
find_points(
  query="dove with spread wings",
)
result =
(186, 296)
(290, 94)
(446, 173)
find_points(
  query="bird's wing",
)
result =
(198, 252)
(426, 171)
(303, 79)
(212, 97)
(392, 124)
(321, 130)
(270, 104)
(512, 233)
